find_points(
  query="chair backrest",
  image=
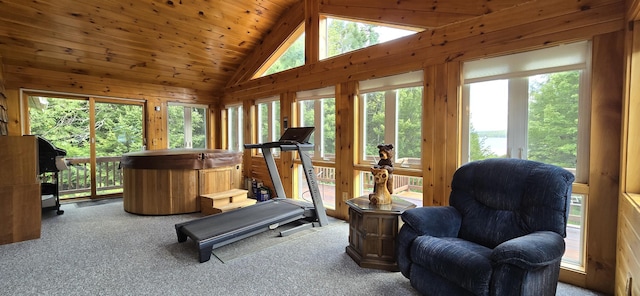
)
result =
(500, 199)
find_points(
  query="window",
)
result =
(235, 138)
(391, 111)
(268, 120)
(536, 106)
(288, 56)
(187, 126)
(317, 108)
(343, 36)
(114, 126)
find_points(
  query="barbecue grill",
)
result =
(51, 161)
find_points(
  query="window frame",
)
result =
(318, 96)
(272, 119)
(235, 118)
(518, 97)
(187, 127)
(390, 85)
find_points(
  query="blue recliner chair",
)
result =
(502, 234)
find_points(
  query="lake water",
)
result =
(497, 145)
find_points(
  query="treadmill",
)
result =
(217, 230)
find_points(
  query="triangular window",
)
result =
(345, 35)
(289, 56)
(340, 36)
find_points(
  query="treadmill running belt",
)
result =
(235, 222)
(218, 230)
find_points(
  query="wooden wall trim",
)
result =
(395, 16)
(425, 14)
(287, 169)
(602, 204)
(346, 146)
(312, 29)
(429, 131)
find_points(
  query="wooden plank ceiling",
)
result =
(193, 44)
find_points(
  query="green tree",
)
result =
(329, 128)
(553, 118)
(374, 114)
(478, 149)
(291, 58)
(64, 122)
(344, 36)
(176, 124)
(118, 129)
(409, 122)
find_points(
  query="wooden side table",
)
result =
(373, 230)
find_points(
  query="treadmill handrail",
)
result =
(283, 145)
(307, 167)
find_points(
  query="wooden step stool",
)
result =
(214, 203)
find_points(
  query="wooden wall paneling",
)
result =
(14, 125)
(288, 168)
(569, 27)
(271, 44)
(627, 279)
(215, 126)
(428, 136)
(462, 7)
(399, 17)
(440, 177)
(156, 123)
(631, 160)
(602, 204)
(628, 259)
(346, 146)
(415, 13)
(261, 174)
(250, 134)
(224, 128)
(453, 100)
(312, 31)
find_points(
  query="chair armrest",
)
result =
(530, 251)
(440, 221)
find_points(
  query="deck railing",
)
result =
(327, 175)
(76, 181)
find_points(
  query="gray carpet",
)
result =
(102, 250)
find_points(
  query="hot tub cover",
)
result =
(194, 159)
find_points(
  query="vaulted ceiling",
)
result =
(193, 44)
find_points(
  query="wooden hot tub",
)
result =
(170, 181)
